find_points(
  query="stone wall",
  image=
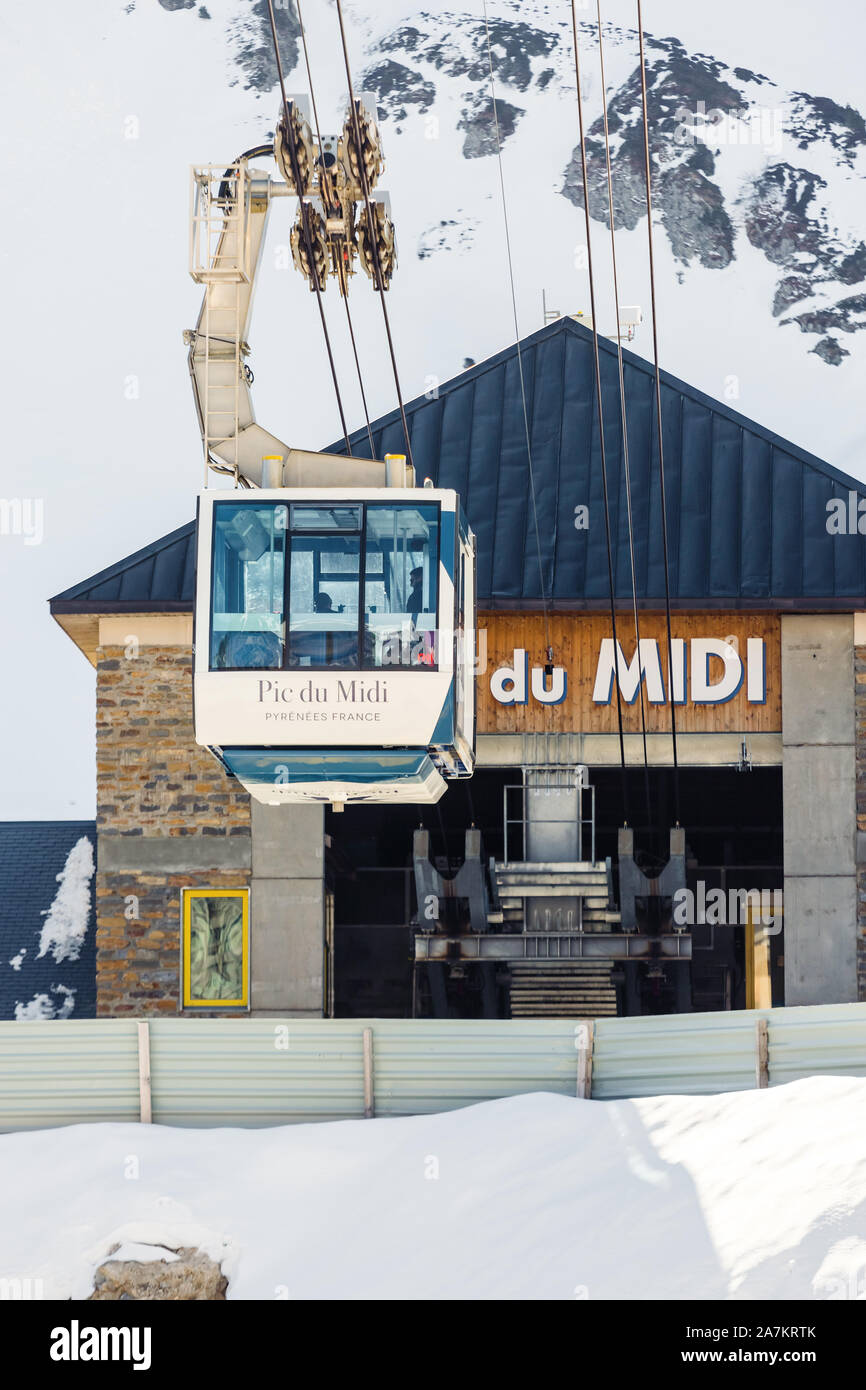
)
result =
(138, 956)
(152, 779)
(167, 818)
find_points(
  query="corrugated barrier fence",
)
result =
(200, 1072)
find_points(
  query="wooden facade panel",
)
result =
(576, 640)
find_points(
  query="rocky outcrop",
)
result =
(789, 291)
(786, 219)
(187, 1275)
(695, 108)
(481, 128)
(818, 118)
(695, 218)
(456, 44)
(397, 88)
(830, 351)
(683, 95)
(254, 47)
(777, 216)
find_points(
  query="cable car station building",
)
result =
(739, 880)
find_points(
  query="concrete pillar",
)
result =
(819, 809)
(552, 808)
(287, 910)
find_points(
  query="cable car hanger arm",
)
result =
(230, 210)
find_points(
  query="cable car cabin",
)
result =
(334, 642)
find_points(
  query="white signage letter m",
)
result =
(644, 665)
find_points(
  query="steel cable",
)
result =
(658, 394)
(623, 413)
(602, 446)
(305, 223)
(324, 186)
(380, 285)
(517, 340)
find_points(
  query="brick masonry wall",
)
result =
(860, 748)
(138, 957)
(153, 782)
(151, 777)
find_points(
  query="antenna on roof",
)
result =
(630, 317)
(548, 315)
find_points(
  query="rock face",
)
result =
(398, 88)
(695, 218)
(786, 218)
(456, 45)
(254, 49)
(696, 108)
(680, 89)
(480, 127)
(192, 1276)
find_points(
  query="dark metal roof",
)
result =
(746, 509)
(32, 854)
(159, 578)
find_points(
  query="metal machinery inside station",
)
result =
(540, 935)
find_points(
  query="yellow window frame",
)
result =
(187, 897)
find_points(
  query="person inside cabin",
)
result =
(258, 651)
(323, 603)
(415, 601)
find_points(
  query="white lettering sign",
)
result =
(648, 667)
(716, 671)
(706, 671)
(510, 685)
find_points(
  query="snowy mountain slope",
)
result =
(750, 1195)
(109, 113)
(743, 163)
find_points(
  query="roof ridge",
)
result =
(568, 324)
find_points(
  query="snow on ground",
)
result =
(748, 1195)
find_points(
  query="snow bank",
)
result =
(748, 1195)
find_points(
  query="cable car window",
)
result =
(248, 586)
(324, 588)
(318, 518)
(400, 585)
